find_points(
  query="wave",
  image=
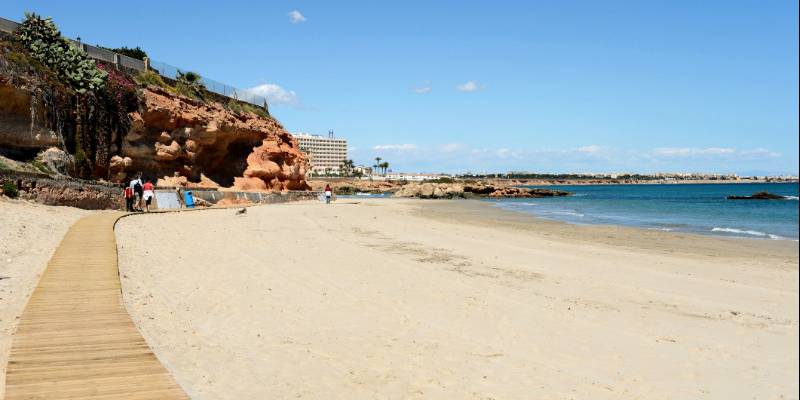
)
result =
(790, 198)
(746, 232)
(570, 213)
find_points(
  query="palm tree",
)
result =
(347, 166)
(191, 83)
(377, 162)
(384, 165)
(374, 168)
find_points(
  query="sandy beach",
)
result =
(404, 299)
(29, 233)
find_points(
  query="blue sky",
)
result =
(452, 86)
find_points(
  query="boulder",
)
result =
(56, 160)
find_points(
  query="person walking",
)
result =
(138, 190)
(148, 194)
(328, 194)
(128, 193)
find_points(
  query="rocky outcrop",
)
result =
(353, 186)
(173, 134)
(124, 128)
(170, 134)
(431, 191)
(458, 190)
(65, 192)
(20, 131)
(519, 192)
(758, 196)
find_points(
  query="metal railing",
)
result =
(171, 71)
(163, 69)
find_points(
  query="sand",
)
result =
(399, 299)
(29, 233)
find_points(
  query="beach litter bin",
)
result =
(188, 199)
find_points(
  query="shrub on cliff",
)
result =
(190, 85)
(153, 78)
(240, 107)
(44, 42)
(136, 52)
(10, 189)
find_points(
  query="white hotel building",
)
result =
(325, 153)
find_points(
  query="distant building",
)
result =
(325, 153)
(363, 170)
(404, 176)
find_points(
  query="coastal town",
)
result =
(329, 158)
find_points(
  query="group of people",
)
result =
(137, 192)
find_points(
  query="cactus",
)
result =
(43, 39)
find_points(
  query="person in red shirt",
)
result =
(128, 193)
(148, 194)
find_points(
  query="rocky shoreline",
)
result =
(437, 190)
(458, 190)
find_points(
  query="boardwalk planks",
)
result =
(75, 339)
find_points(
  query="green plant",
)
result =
(190, 85)
(82, 165)
(41, 167)
(17, 58)
(136, 52)
(10, 189)
(44, 42)
(242, 107)
(347, 167)
(152, 78)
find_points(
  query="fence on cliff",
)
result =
(163, 69)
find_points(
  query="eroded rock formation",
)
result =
(207, 141)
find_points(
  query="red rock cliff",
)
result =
(172, 134)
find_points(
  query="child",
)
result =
(128, 193)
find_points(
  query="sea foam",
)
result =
(746, 232)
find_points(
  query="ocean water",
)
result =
(695, 208)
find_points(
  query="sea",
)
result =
(695, 208)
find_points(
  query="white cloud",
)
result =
(591, 149)
(468, 86)
(760, 152)
(423, 88)
(276, 94)
(460, 157)
(395, 147)
(451, 147)
(296, 17)
(692, 151)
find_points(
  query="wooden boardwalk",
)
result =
(75, 339)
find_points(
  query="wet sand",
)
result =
(399, 299)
